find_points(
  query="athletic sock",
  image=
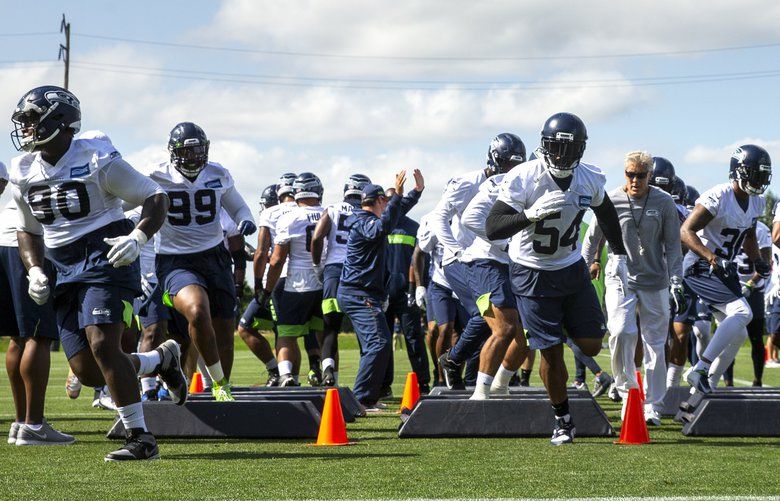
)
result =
(673, 375)
(562, 410)
(502, 377)
(272, 364)
(148, 384)
(285, 368)
(215, 371)
(132, 416)
(328, 362)
(35, 427)
(482, 389)
(148, 362)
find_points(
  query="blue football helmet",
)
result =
(678, 190)
(506, 150)
(563, 143)
(663, 174)
(268, 198)
(354, 185)
(41, 114)
(307, 185)
(189, 149)
(285, 184)
(691, 195)
(751, 167)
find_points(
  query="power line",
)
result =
(428, 58)
(43, 33)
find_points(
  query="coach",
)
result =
(651, 234)
(362, 285)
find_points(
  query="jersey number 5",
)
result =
(556, 241)
(41, 197)
(179, 213)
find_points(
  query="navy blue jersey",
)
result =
(401, 242)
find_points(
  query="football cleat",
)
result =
(103, 400)
(580, 385)
(139, 445)
(424, 389)
(613, 393)
(273, 378)
(452, 372)
(377, 407)
(602, 384)
(222, 392)
(46, 435)
(170, 371)
(288, 381)
(73, 386)
(563, 432)
(652, 417)
(149, 396)
(328, 378)
(13, 432)
(698, 379)
(315, 377)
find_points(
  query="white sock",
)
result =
(149, 361)
(481, 392)
(148, 383)
(35, 427)
(502, 377)
(272, 364)
(215, 371)
(484, 379)
(285, 368)
(132, 416)
(673, 375)
(328, 362)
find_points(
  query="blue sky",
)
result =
(259, 131)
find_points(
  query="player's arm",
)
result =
(699, 218)
(503, 221)
(238, 210)
(260, 260)
(392, 213)
(278, 258)
(476, 213)
(608, 220)
(31, 250)
(776, 231)
(236, 249)
(321, 232)
(411, 198)
(592, 244)
(442, 215)
(418, 266)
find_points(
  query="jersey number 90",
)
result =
(180, 211)
(44, 200)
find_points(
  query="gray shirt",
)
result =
(654, 227)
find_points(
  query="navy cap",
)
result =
(371, 192)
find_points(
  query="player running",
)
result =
(723, 222)
(540, 205)
(331, 226)
(69, 193)
(193, 266)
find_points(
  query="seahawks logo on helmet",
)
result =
(307, 185)
(355, 184)
(751, 167)
(42, 114)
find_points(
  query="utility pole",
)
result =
(65, 49)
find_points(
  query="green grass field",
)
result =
(380, 465)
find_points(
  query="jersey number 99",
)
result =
(180, 211)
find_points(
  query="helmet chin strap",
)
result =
(749, 189)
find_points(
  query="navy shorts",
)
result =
(564, 303)
(691, 314)
(210, 269)
(457, 274)
(330, 286)
(489, 281)
(298, 312)
(257, 317)
(80, 305)
(31, 320)
(711, 288)
(152, 310)
(441, 304)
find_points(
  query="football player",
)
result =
(540, 205)
(663, 174)
(722, 222)
(193, 265)
(505, 151)
(298, 306)
(69, 193)
(331, 227)
(255, 317)
(487, 265)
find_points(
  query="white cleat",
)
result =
(698, 379)
(103, 400)
(73, 386)
(652, 417)
(13, 432)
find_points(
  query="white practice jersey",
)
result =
(229, 227)
(193, 222)
(457, 195)
(296, 229)
(474, 218)
(745, 267)
(725, 233)
(552, 243)
(268, 219)
(80, 194)
(336, 251)
(148, 257)
(9, 220)
(428, 243)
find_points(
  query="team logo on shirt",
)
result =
(652, 213)
(101, 312)
(214, 183)
(79, 171)
(585, 201)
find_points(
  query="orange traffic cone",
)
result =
(641, 385)
(196, 383)
(411, 392)
(333, 429)
(634, 429)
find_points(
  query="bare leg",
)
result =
(13, 362)
(554, 375)
(224, 329)
(119, 369)
(193, 302)
(36, 361)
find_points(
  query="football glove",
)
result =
(747, 289)
(545, 206)
(723, 268)
(39, 285)
(762, 268)
(125, 249)
(246, 227)
(677, 295)
(263, 298)
(420, 296)
(147, 289)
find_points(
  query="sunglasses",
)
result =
(637, 175)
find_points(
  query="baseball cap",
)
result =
(371, 192)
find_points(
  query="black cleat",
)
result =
(315, 377)
(288, 381)
(452, 372)
(139, 445)
(170, 371)
(273, 378)
(425, 389)
(328, 378)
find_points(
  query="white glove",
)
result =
(39, 285)
(617, 268)
(125, 249)
(419, 296)
(146, 288)
(548, 204)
